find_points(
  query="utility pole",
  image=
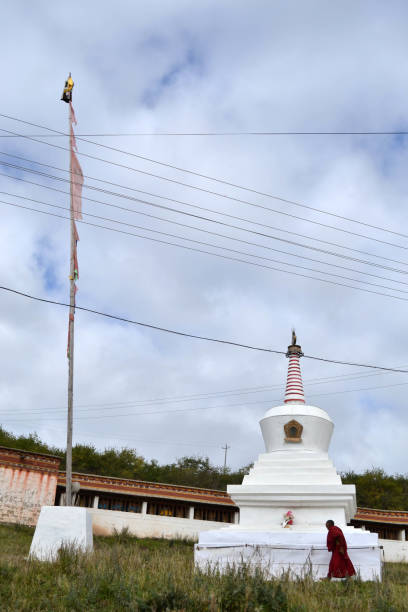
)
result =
(225, 448)
(68, 488)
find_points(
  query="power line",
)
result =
(120, 134)
(208, 219)
(178, 211)
(227, 237)
(192, 172)
(199, 408)
(144, 441)
(227, 257)
(86, 408)
(212, 395)
(286, 214)
(235, 405)
(200, 175)
(197, 337)
(231, 392)
(286, 241)
(222, 394)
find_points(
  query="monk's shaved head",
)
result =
(329, 524)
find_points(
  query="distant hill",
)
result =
(375, 488)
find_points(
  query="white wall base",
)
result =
(276, 552)
(395, 551)
(106, 522)
(58, 526)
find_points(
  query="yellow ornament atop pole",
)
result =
(67, 92)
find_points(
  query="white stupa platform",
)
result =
(293, 552)
(294, 474)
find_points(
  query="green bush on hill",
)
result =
(126, 463)
(375, 488)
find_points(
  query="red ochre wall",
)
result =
(27, 482)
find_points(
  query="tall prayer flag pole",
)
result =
(75, 213)
(68, 489)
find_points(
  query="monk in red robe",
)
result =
(340, 564)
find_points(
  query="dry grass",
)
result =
(125, 573)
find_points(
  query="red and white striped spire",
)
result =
(294, 387)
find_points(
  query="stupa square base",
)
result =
(293, 552)
(60, 526)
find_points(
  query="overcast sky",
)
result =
(208, 67)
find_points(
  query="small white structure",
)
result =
(59, 526)
(294, 474)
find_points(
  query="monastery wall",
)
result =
(27, 482)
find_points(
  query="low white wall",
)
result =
(395, 551)
(104, 522)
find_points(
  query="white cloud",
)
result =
(207, 67)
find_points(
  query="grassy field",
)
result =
(125, 573)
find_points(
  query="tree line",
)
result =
(375, 488)
(127, 463)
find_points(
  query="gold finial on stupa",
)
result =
(294, 348)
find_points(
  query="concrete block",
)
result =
(58, 526)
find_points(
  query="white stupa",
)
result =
(295, 474)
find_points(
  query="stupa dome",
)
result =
(314, 433)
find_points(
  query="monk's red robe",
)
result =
(340, 564)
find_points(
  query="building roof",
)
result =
(22, 451)
(127, 486)
(28, 460)
(372, 515)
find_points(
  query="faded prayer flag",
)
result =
(76, 270)
(77, 180)
(73, 118)
(73, 141)
(76, 235)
